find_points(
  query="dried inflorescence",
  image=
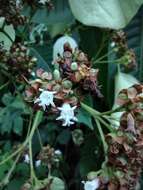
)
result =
(10, 9)
(125, 153)
(17, 61)
(127, 55)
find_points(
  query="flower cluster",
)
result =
(11, 11)
(17, 61)
(49, 156)
(59, 91)
(127, 56)
(125, 153)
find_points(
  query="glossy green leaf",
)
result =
(114, 14)
(85, 118)
(7, 34)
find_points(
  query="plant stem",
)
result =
(105, 55)
(31, 162)
(105, 124)
(105, 147)
(7, 178)
(36, 122)
(4, 85)
(39, 137)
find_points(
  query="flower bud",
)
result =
(67, 84)
(57, 75)
(74, 66)
(91, 175)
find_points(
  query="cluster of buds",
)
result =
(49, 156)
(125, 153)
(59, 91)
(17, 61)
(10, 9)
(119, 42)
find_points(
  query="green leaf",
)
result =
(91, 44)
(134, 33)
(7, 34)
(114, 14)
(3, 170)
(7, 98)
(6, 123)
(85, 118)
(57, 184)
(60, 14)
(41, 63)
(90, 158)
(15, 184)
(64, 137)
(18, 125)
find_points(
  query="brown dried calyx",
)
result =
(125, 152)
(127, 55)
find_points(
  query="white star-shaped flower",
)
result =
(67, 114)
(43, 1)
(26, 158)
(91, 185)
(45, 99)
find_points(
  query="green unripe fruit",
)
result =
(57, 75)
(67, 84)
(74, 66)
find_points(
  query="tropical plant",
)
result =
(71, 106)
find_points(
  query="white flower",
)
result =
(113, 44)
(26, 158)
(91, 185)
(43, 1)
(58, 152)
(38, 163)
(67, 114)
(46, 98)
